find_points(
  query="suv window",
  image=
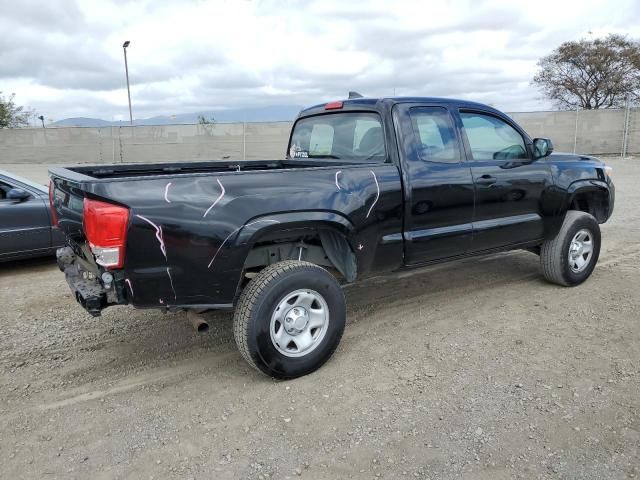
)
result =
(354, 136)
(436, 137)
(491, 138)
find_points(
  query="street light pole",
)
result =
(126, 71)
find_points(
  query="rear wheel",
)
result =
(290, 319)
(570, 257)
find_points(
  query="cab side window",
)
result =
(435, 135)
(4, 190)
(491, 138)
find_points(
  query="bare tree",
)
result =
(204, 121)
(12, 115)
(599, 73)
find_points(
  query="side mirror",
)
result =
(542, 147)
(17, 194)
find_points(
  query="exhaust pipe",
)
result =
(200, 325)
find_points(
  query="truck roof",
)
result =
(372, 103)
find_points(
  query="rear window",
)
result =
(353, 136)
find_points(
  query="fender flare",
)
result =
(335, 233)
(580, 186)
(559, 202)
(260, 226)
(583, 186)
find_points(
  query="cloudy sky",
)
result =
(64, 57)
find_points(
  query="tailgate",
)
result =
(87, 218)
(91, 262)
(67, 201)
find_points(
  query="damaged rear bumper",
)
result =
(88, 284)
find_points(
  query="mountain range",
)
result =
(272, 113)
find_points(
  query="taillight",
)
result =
(105, 226)
(54, 217)
(333, 106)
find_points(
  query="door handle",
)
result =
(486, 180)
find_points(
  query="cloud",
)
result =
(64, 58)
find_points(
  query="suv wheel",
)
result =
(290, 319)
(570, 257)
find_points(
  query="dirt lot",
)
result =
(477, 369)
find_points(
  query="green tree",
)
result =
(599, 73)
(12, 115)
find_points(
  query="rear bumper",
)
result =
(90, 291)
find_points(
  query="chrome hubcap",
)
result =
(580, 250)
(299, 323)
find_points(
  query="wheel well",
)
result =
(594, 202)
(324, 247)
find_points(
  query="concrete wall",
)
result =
(633, 132)
(163, 143)
(593, 132)
(597, 132)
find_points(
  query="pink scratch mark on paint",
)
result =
(166, 193)
(377, 194)
(128, 282)
(163, 248)
(217, 199)
(235, 231)
(337, 184)
(175, 297)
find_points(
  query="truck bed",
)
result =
(113, 171)
(191, 225)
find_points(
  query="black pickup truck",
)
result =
(368, 186)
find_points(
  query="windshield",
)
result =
(354, 136)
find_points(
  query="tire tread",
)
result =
(249, 298)
(551, 251)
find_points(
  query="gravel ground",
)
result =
(476, 369)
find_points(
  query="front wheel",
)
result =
(570, 257)
(290, 319)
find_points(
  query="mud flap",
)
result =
(340, 254)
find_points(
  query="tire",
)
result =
(560, 257)
(290, 319)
